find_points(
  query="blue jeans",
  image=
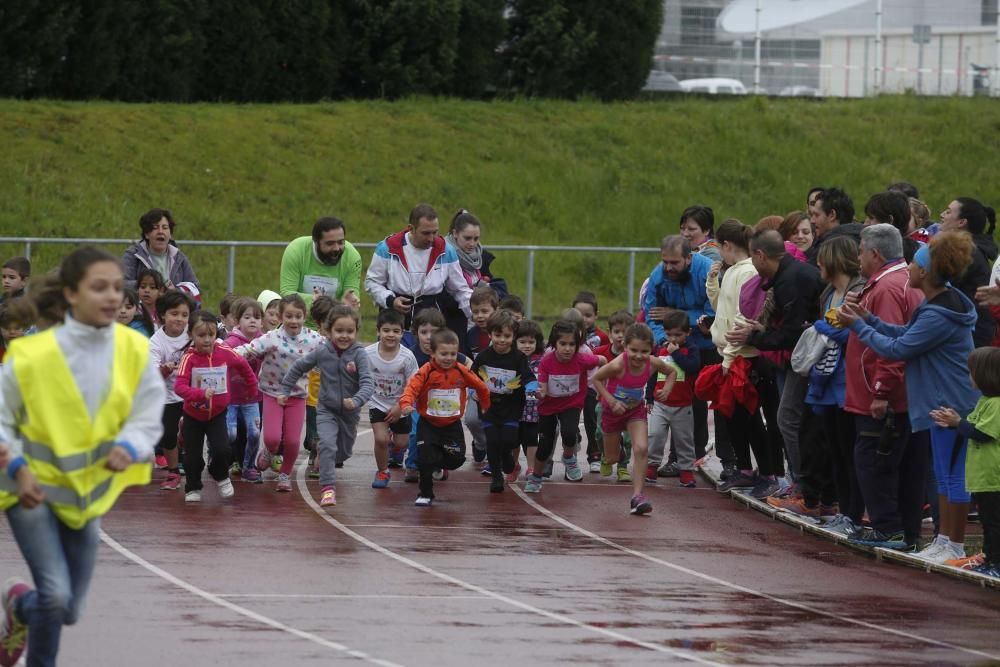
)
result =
(61, 561)
(250, 416)
(411, 448)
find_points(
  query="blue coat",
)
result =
(935, 344)
(688, 295)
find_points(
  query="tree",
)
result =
(481, 30)
(33, 42)
(546, 43)
(97, 48)
(618, 64)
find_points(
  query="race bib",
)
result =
(388, 386)
(561, 386)
(632, 397)
(669, 361)
(210, 378)
(321, 284)
(444, 402)
(500, 380)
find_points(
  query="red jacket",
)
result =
(439, 395)
(727, 391)
(198, 372)
(888, 296)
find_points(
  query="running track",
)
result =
(566, 576)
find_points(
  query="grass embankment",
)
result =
(546, 173)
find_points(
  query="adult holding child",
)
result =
(463, 237)
(323, 264)
(157, 251)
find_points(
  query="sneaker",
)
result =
(284, 483)
(411, 476)
(687, 480)
(738, 481)
(496, 484)
(161, 462)
(669, 470)
(512, 476)
(548, 469)
(833, 524)
(235, 469)
(312, 472)
(876, 538)
(533, 484)
(264, 458)
(606, 469)
(967, 563)
(276, 462)
(328, 497)
(932, 550)
(381, 480)
(946, 552)
(13, 633)
(786, 489)
(729, 470)
(251, 475)
(226, 489)
(623, 474)
(486, 471)
(650, 474)
(795, 506)
(988, 569)
(395, 462)
(763, 488)
(639, 505)
(478, 455)
(572, 469)
(440, 475)
(595, 466)
(423, 501)
(192, 497)
(172, 482)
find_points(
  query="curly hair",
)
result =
(951, 254)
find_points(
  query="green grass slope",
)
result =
(545, 173)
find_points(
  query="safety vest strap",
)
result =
(61, 495)
(42, 453)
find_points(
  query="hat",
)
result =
(192, 291)
(266, 297)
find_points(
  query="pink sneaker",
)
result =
(284, 483)
(172, 482)
(512, 476)
(161, 462)
(13, 633)
(329, 497)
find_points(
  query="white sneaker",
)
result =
(423, 501)
(193, 496)
(931, 551)
(946, 552)
(595, 467)
(226, 489)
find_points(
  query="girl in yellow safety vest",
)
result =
(79, 415)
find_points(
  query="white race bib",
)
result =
(388, 386)
(444, 402)
(499, 380)
(210, 378)
(323, 284)
(561, 386)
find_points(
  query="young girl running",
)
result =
(562, 385)
(244, 405)
(278, 350)
(149, 287)
(532, 345)
(79, 415)
(166, 348)
(203, 381)
(346, 384)
(133, 315)
(621, 384)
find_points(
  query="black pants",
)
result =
(527, 435)
(839, 437)
(431, 440)
(892, 484)
(171, 420)
(566, 422)
(595, 447)
(723, 441)
(989, 517)
(501, 444)
(748, 433)
(815, 466)
(195, 432)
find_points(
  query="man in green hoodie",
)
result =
(324, 264)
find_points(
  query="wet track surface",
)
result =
(565, 576)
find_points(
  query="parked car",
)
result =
(660, 81)
(714, 86)
(799, 91)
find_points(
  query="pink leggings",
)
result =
(283, 424)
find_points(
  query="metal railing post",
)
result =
(530, 305)
(27, 250)
(631, 279)
(231, 271)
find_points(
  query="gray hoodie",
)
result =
(137, 258)
(343, 375)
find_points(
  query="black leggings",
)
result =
(595, 445)
(501, 443)
(567, 422)
(196, 432)
(171, 419)
(989, 517)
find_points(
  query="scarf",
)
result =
(471, 262)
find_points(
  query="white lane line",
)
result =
(559, 618)
(743, 589)
(398, 526)
(319, 596)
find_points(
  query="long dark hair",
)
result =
(48, 294)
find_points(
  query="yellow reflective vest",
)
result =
(64, 448)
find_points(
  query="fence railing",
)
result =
(232, 246)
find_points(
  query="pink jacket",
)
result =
(239, 392)
(197, 372)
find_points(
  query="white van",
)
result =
(714, 86)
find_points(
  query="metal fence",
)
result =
(842, 48)
(232, 246)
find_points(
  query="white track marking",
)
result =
(243, 611)
(743, 589)
(559, 618)
(320, 596)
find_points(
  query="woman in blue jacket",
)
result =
(936, 344)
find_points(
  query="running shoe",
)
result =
(639, 505)
(988, 569)
(533, 484)
(381, 480)
(172, 482)
(834, 524)
(738, 481)
(486, 471)
(728, 470)
(650, 474)
(876, 538)
(276, 462)
(572, 469)
(496, 484)
(235, 470)
(786, 489)
(686, 480)
(411, 476)
(669, 470)
(161, 462)
(192, 497)
(284, 483)
(13, 633)
(623, 474)
(264, 458)
(423, 501)
(795, 506)
(251, 475)
(328, 497)
(226, 489)
(440, 475)
(595, 466)
(967, 563)
(764, 488)
(606, 469)
(312, 472)
(513, 475)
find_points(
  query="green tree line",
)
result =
(309, 50)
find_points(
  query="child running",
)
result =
(621, 385)
(392, 367)
(618, 323)
(438, 392)
(203, 381)
(244, 405)
(532, 345)
(166, 348)
(345, 385)
(283, 421)
(149, 287)
(507, 374)
(133, 315)
(562, 385)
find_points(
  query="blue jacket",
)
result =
(688, 295)
(935, 344)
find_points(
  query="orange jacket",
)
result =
(439, 394)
